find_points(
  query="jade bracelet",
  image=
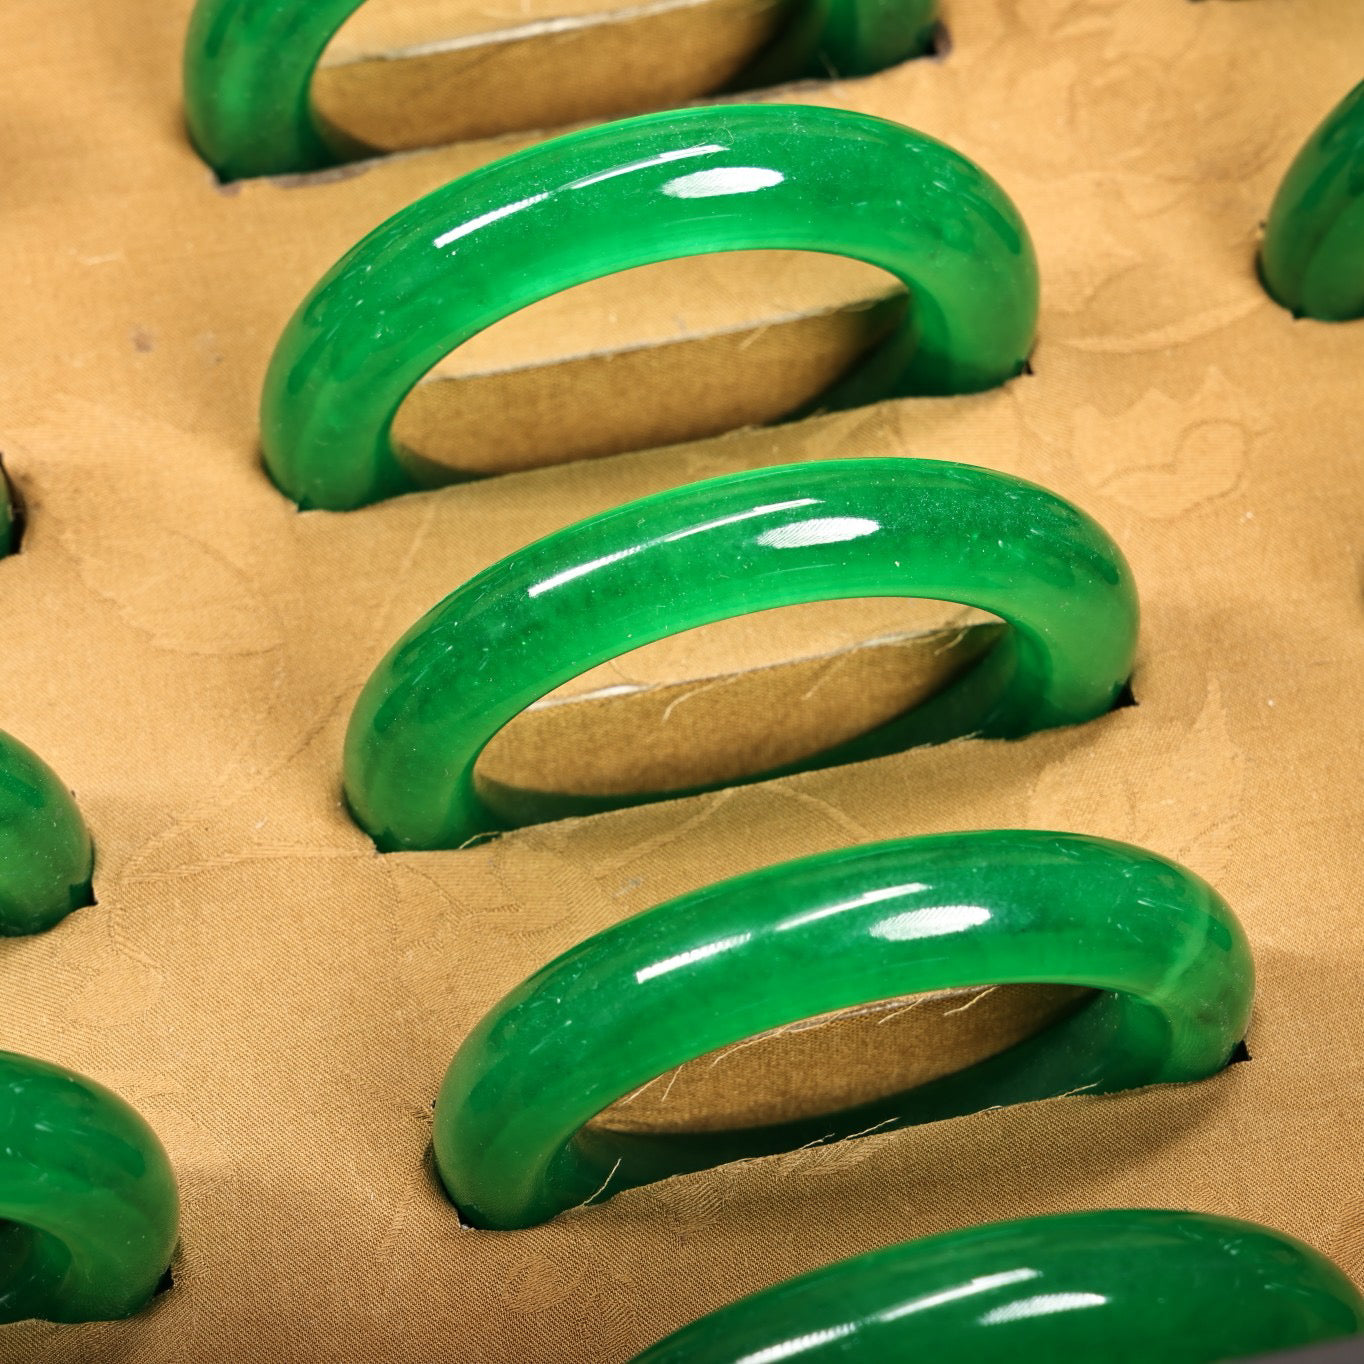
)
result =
(9, 516)
(626, 194)
(1312, 259)
(46, 855)
(1126, 1286)
(513, 1138)
(722, 548)
(88, 1203)
(249, 64)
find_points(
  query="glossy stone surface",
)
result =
(851, 927)
(628, 194)
(1312, 260)
(46, 856)
(829, 39)
(1128, 1286)
(88, 1203)
(248, 70)
(9, 528)
(726, 547)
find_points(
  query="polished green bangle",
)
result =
(9, 516)
(722, 548)
(829, 39)
(1173, 972)
(626, 194)
(1127, 1286)
(88, 1204)
(46, 856)
(1312, 259)
(249, 64)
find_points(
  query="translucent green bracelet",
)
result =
(1312, 260)
(1172, 967)
(46, 856)
(9, 516)
(249, 64)
(722, 548)
(1126, 1286)
(88, 1204)
(626, 194)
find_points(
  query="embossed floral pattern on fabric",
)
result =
(184, 647)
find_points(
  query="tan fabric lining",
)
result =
(184, 647)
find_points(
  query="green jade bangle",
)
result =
(249, 64)
(626, 194)
(88, 1204)
(1127, 1286)
(1312, 259)
(46, 856)
(722, 548)
(9, 516)
(1172, 967)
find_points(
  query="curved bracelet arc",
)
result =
(727, 547)
(1123, 1284)
(1172, 967)
(249, 64)
(609, 198)
(88, 1204)
(1312, 257)
(47, 858)
(9, 515)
